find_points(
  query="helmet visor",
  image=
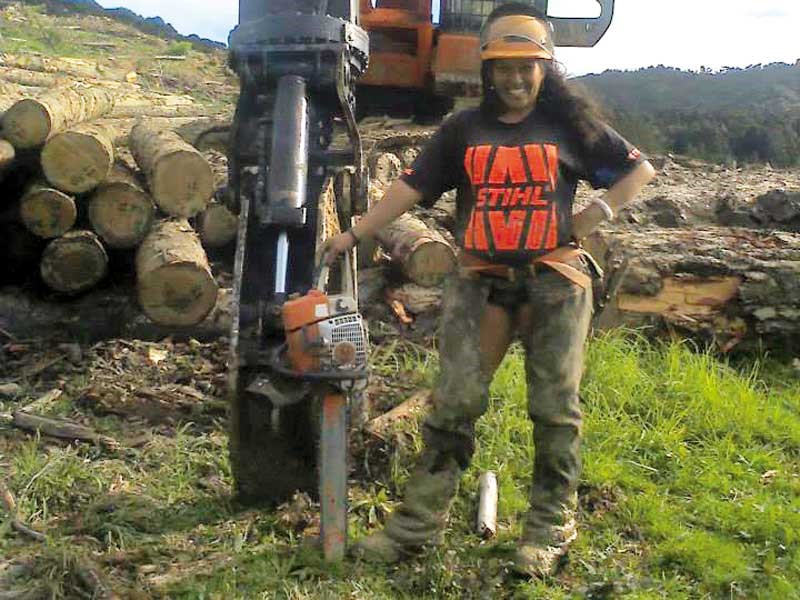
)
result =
(517, 36)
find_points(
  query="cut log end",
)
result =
(217, 226)
(27, 124)
(175, 283)
(46, 212)
(76, 162)
(74, 262)
(430, 263)
(122, 214)
(177, 294)
(182, 183)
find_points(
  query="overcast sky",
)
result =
(680, 33)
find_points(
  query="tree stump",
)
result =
(175, 284)
(179, 178)
(120, 211)
(47, 212)
(74, 262)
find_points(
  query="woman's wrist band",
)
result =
(354, 236)
(605, 208)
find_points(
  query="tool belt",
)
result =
(557, 260)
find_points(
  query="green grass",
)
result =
(690, 490)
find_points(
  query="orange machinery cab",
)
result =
(401, 43)
(408, 52)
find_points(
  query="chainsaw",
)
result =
(298, 360)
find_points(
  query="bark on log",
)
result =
(385, 167)
(29, 122)
(180, 179)
(47, 212)
(423, 254)
(175, 283)
(737, 288)
(412, 409)
(74, 262)
(121, 212)
(415, 298)
(217, 226)
(79, 159)
(29, 78)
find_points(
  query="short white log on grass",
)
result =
(175, 284)
(179, 178)
(217, 225)
(120, 210)
(47, 212)
(79, 159)
(30, 122)
(74, 263)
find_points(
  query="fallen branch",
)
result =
(410, 409)
(43, 402)
(17, 524)
(61, 429)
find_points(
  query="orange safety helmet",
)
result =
(517, 36)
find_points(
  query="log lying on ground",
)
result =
(423, 254)
(179, 178)
(175, 284)
(217, 225)
(736, 288)
(100, 314)
(74, 262)
(47, 212)
(29, 122)
(29, 78)
(415, 298)
(120, 211)
(79, 159)
(68, 66)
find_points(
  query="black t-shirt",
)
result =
(516, 182)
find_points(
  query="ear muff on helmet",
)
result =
(517, 36)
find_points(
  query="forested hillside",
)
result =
(743, 115)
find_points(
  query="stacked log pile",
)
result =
(93, 188)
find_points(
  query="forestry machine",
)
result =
(297, 173)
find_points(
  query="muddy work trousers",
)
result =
(554, 350)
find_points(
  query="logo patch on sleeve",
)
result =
(635, 154)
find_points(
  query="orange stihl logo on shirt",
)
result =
(513, 189)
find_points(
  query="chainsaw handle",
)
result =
(322, 270)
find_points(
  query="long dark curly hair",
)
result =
(559, 100)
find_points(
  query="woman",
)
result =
(515, 162)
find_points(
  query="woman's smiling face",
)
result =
(517, 82)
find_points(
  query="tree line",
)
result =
(736, 115)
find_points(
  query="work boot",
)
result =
(420, 519)
(539, 552)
